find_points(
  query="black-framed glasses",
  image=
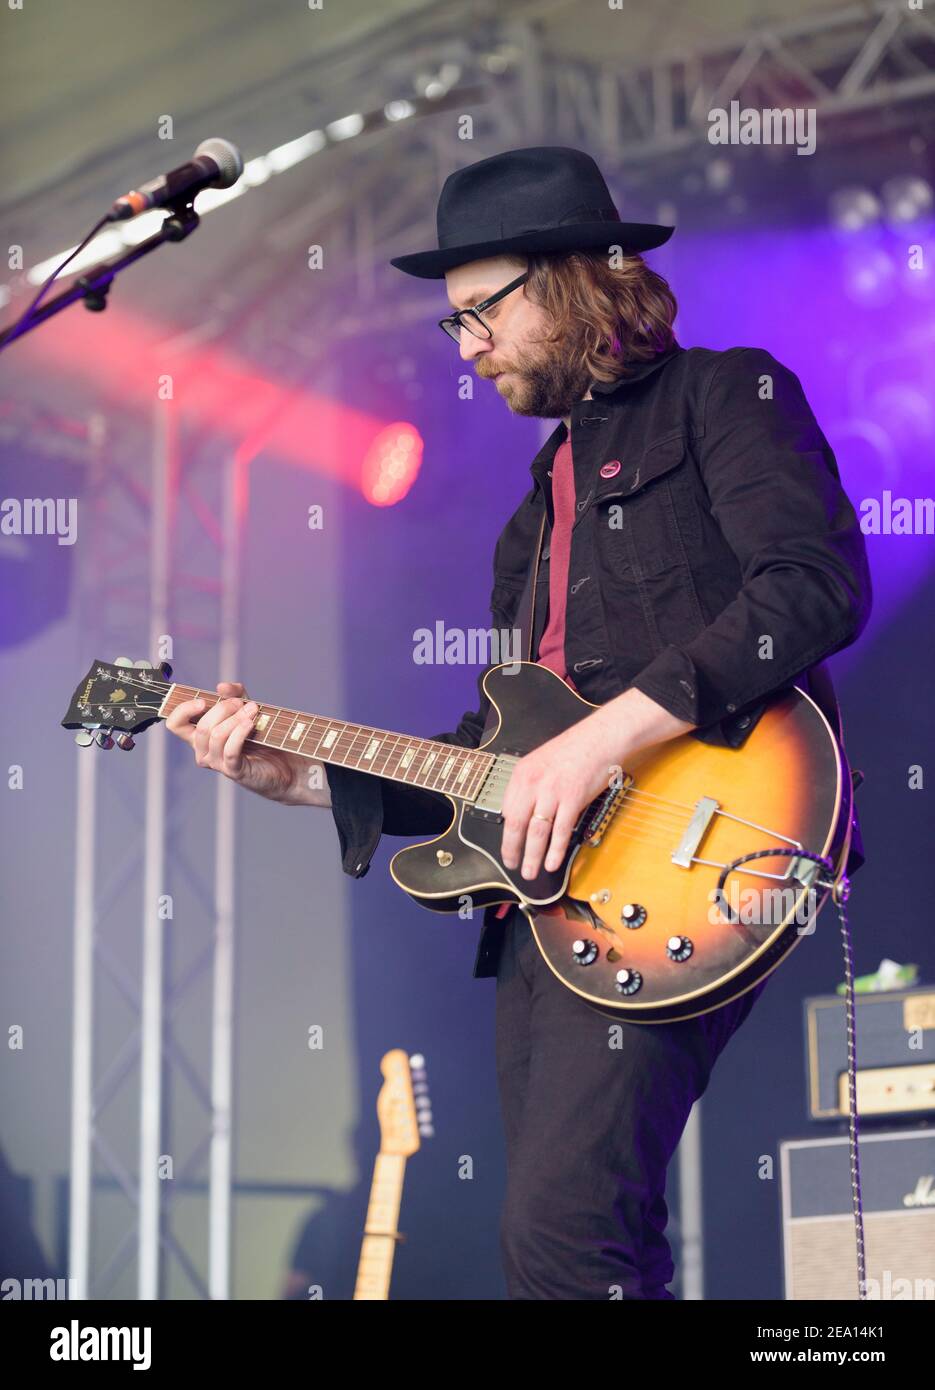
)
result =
(471, 319)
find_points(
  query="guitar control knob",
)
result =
(679, 948)
(633, 914)
(584, 952)
(628, 981)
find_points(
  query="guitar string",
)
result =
(659, 829)
(165, 686)
(631, 791)
(655, 822)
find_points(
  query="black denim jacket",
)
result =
(721, 563)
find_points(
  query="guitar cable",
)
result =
(840, 891)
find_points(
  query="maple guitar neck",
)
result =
(419, 762)
(381, 1232)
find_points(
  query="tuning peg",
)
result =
(125, 742)
(123, 661)
(143, 665)
(84, 738)
(165, 670)
(104, 738)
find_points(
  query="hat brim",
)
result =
(588, 236)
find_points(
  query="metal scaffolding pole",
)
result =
(154, 879)
(222, 1030)
(82, 1035)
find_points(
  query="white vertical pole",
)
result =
(151, 1020)
(82, 1027)
(84, 931)
(222, 1030)
(691, 1221)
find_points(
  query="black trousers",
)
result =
(593, 1110)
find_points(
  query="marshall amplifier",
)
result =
(895, 1054)
(819, 1239)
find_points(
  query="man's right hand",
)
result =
(218, 737)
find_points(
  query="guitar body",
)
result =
(631, 922)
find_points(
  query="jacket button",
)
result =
(731, 708)
(610, 470)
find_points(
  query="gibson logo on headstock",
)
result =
(85, 697)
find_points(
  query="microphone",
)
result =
(215, 164)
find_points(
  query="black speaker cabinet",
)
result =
(897, 1170)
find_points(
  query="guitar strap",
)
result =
(524, 622)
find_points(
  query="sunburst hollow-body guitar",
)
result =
(650, 916)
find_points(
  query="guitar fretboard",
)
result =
(421, 762)
(375, 1268)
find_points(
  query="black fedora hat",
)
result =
(548, 198)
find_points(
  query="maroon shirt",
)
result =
(552, 641)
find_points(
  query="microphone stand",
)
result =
(94, 286)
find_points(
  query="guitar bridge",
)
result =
(599, 813)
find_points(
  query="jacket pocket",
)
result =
(504, 600)
(646, 519)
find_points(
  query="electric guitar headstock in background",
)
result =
(404, 1111)
(405, 1115)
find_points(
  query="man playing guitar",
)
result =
(700, 556)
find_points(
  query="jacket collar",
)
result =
(637, 372)
(614, 392)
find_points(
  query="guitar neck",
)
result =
(380, 1233)
(420, 762)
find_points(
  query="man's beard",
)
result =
(548, 382)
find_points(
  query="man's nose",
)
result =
(472, 346)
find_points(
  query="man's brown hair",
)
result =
(615, 314)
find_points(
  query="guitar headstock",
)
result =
(117, 700)
(403, 1107)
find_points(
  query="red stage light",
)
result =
(391, 464)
